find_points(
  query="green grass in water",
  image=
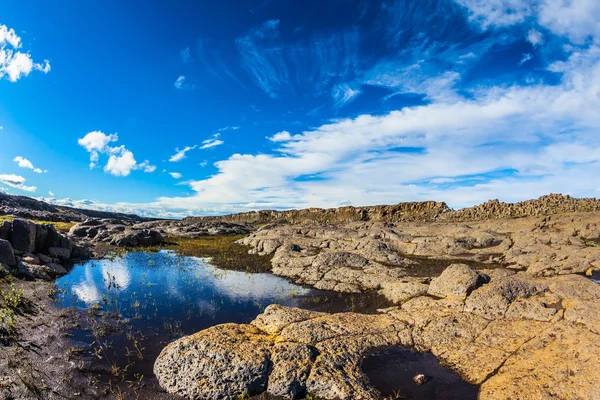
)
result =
(60, 226)
(223, 251)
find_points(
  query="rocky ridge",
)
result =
(26, 207)
(427, 211)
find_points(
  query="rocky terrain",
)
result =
(518, 336)
(376, 256)
(427, 211)
(499, 293)
(26, 207)
(502, 301)
(35, 251)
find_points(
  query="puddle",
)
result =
(391, 371)
(135, 305)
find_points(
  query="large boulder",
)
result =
(34, 271)
(41, 238)
(226, 362)
(458, 280)
(53, 238)
(5, 229)
(61, 253)
(7, 255)
(23, 235)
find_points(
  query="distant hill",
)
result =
(26, 207)
(426, 211)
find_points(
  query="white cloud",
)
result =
(146, 167)
(535, 37)
(120, 164)
(208, 143)
(120, 161)
(175, 175)
(185, 55)
(498, 12)
(575, 19)
(16, 181)
(282, 136)
(51, 193)
(15, 64)
(544, 138)
(526, 57)
(25, 163)
(342, 94)
(180, 154)
(179, 82)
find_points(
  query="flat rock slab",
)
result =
(291, 352)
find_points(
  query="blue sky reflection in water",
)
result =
(160, 297)
(171, 287)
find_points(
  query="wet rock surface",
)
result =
(549, 350)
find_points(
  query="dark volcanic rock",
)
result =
(5, 230)
(23, 235)
(7, 256)
(41, 238)
(115, 232)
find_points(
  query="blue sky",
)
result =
(177, 108)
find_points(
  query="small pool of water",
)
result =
(131, 307)
(391, 371)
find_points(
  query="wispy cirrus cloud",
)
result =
(15, 64)
(464, 152)
(276, 66)
(208, 143)
(213, 141)
(121, 161)
(180, 154)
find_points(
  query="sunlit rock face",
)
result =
(510, 335)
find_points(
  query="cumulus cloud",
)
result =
(282, 136)
(15, 64)
(176, 175)
(179, 82)
(121, 161)
(576, 20)
(25, 163)
(463, 152)
(16, 181)
(535, 37)
(180, 154)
